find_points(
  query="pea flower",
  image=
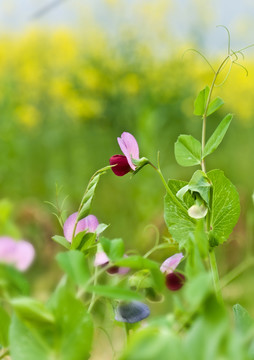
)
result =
(121, 167)
(101, 259)
(132, 312)
(19, 254)
(174, 279)
(89, 223)
(124, 163)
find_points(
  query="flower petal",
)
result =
(129, 146)
(89, 223)
(25, 255)
(174, 281)
(132, 312)
(20, 254)
(121, 167)
(171, 263)
(118, 270)
(101, 258)
(123, 270)
(197, 211)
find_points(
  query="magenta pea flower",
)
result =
(101, 259)
(174, 279)
(19, 254)
(89, 223)
(121, 167)
(124, 163)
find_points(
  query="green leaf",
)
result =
(243, 321)
(199, 183)
(4, 327)
(207, 332)
(214, 105)
(139, 263)
(197, 250)
(113, 248)
(187, 151)
(31, 310)
(74, 327)
(81, 239)
(74, 264)
(27, 344)
(154, 342)
(13, 281)
(179, 224)
(196, 290)
(115, 292)
(200, 102)
(62, 241)
(141, 279)
(225, 206)
(69, 337)
(101, 228)
(218, 135)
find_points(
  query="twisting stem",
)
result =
(206, 110)
(215, 275)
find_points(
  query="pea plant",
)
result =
(102, 280)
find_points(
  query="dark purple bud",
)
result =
(121, 167)
(132, 312)
(174, 281)
(113, 270)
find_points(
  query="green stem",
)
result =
(173, 197)
(93, 299)
(92, 279)
(155, 248)
(206, 110)
(127, 330)
(215, 275)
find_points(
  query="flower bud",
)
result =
(132, 312)
(174, 281)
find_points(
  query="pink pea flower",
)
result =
(19, 254)
(89, 223)
(101, 259)
(174, 279)
(129, 146)
(171, 263)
